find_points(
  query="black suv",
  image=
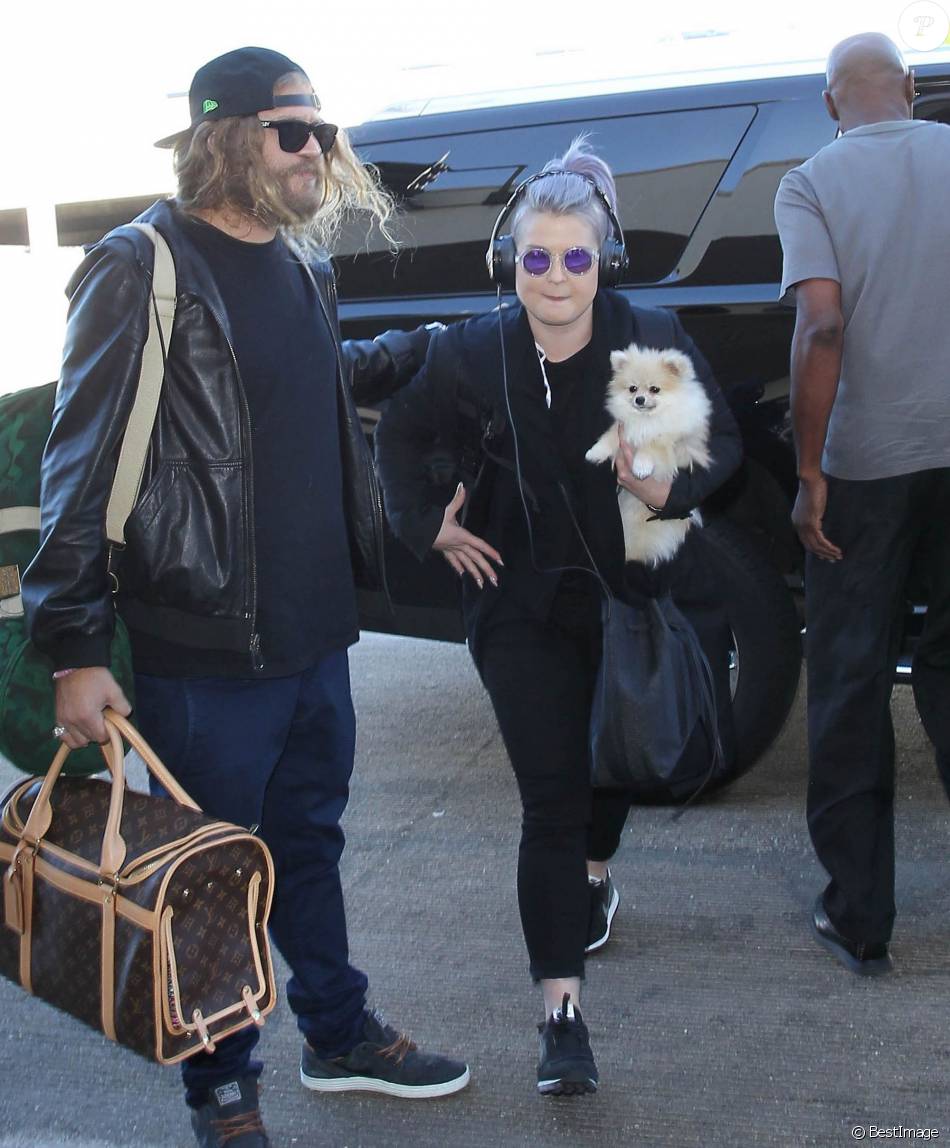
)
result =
(697, 169)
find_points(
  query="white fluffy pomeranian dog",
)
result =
(663, 413)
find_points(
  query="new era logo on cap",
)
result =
(209, 106)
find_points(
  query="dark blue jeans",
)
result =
(277, 753)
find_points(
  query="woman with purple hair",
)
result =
(533, 515)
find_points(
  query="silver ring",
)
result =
(59, 730)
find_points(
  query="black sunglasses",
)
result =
(292, 135)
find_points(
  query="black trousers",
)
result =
(855, 608)
(540, 677)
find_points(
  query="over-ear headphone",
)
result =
(500, 255)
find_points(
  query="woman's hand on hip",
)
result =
(464, 552)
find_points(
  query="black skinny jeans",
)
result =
(540, 677)
(855, 607)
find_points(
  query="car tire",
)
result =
(767, 648)
(766, 654)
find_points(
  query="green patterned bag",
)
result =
(27, 693)
(27, 712)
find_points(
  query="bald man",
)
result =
(865, 232)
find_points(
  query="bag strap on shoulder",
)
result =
(138, 431)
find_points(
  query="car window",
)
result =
(450, 189)
(933, 103)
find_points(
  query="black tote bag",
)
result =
(654, 691)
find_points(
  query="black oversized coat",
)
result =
(466, 369)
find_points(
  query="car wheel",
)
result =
(766, 655)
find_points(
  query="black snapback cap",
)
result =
(239, 83)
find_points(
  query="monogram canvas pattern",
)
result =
(134, 1006)
(26, 691)
(210, 928)
(214, 942)
(9, 954)
(79, 819)
(25, 418)
(66, 960)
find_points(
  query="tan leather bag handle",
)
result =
(113, 847)
(153, 762)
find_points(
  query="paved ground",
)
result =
(715, 1019)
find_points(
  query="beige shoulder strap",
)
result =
(138, 432)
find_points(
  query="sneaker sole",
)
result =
(386, 1087)
(876, 968)
(611, 909)
(566, 1086)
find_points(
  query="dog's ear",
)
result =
(618, 359)
(676, 363)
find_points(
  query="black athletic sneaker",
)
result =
(230, 1117)
(604, 900)
(384, 1061)
(566, 1065)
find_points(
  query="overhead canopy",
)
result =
(77, 224)
(81, 223)
(14, 230)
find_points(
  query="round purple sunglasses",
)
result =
(537, 261)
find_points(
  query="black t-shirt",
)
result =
(306, 604)
(551, 451)
(568, 380)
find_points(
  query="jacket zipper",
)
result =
(254, 648)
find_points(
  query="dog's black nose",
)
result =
(640, 400)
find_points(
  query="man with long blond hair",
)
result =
(258, 512)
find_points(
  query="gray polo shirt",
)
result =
(872, 211)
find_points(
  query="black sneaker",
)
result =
(604, 900)
(384, 1061)
(566, 1065)
(230, 1117)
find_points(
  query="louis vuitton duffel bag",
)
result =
(137, 914)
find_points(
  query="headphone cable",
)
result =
(595, 572)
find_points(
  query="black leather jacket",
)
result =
(187, 572)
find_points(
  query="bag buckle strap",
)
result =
(251, 1005)
(111, 566)
(17, 887)
(27, 844)
(111, 883)
(202, 1026)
